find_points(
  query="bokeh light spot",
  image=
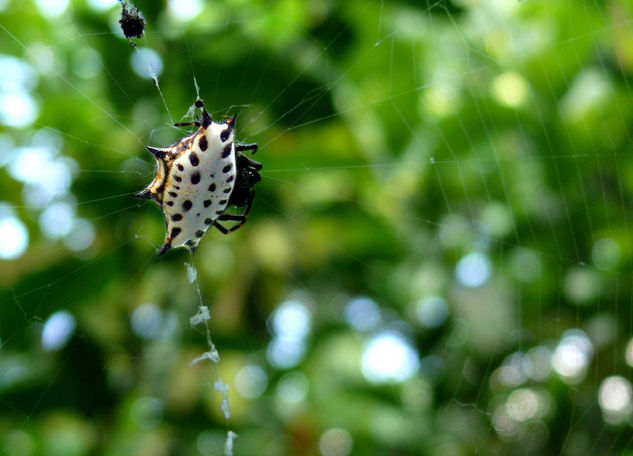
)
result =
(389, 357)
(335, 442)
(58, 330)
(147, 412)
(17, 109)
(293, 387)
(147, 321)
(572, 356)
(251, 381)
(284, 353)
(605, 254)
(81, 235)
(185, 10)
(614, 397)
(52, 8)
(432, 311)
(147, 63)
(57, 220)
(510, 89)
(101, 5)
(362, 313)
(473, 270)
(291, 320)
(628, 355)
(581, 285)
(14, 238)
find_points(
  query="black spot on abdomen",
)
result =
(193, 158)
(226, 151)
(203, 143)
(199, 233)
(187, 205)
(207, 203)
(195, 178)
(225, 134)
(227, 168)
(176, 217)
(175, 232)
(212, 188)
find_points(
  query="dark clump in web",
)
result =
(132, 21)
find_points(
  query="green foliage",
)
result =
(468, 157)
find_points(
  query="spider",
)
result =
(243, 193)
(132, 21)
(199, 177)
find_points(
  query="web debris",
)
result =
(132, 21)
(228, 445)
(223, 389)
(202, 317)
(133, 24)
(191, 112)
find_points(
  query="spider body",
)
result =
(247, 176)
(132, 21)
(198, 177)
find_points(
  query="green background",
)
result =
(399, 139)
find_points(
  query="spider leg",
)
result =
(166, 246)
(237, 218)
(188, 124)
(240, 147)
(252, 163)
(220, 228)
(249, 205)
(241, 219)
(192, 246)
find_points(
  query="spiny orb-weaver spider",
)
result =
(199, 177)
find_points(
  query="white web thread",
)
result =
(74, 87)
(391, 96)
(202, 318)
(559, 256)
(152, 73)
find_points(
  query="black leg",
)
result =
(255, 164)
(166, 246)
(231, 217)
(241, 219)
(188, 124)
(249, 205)
(220, 228)
(241, 147)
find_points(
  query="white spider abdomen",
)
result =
(199, 185)
(196, 181)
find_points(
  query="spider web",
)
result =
(438, 258)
